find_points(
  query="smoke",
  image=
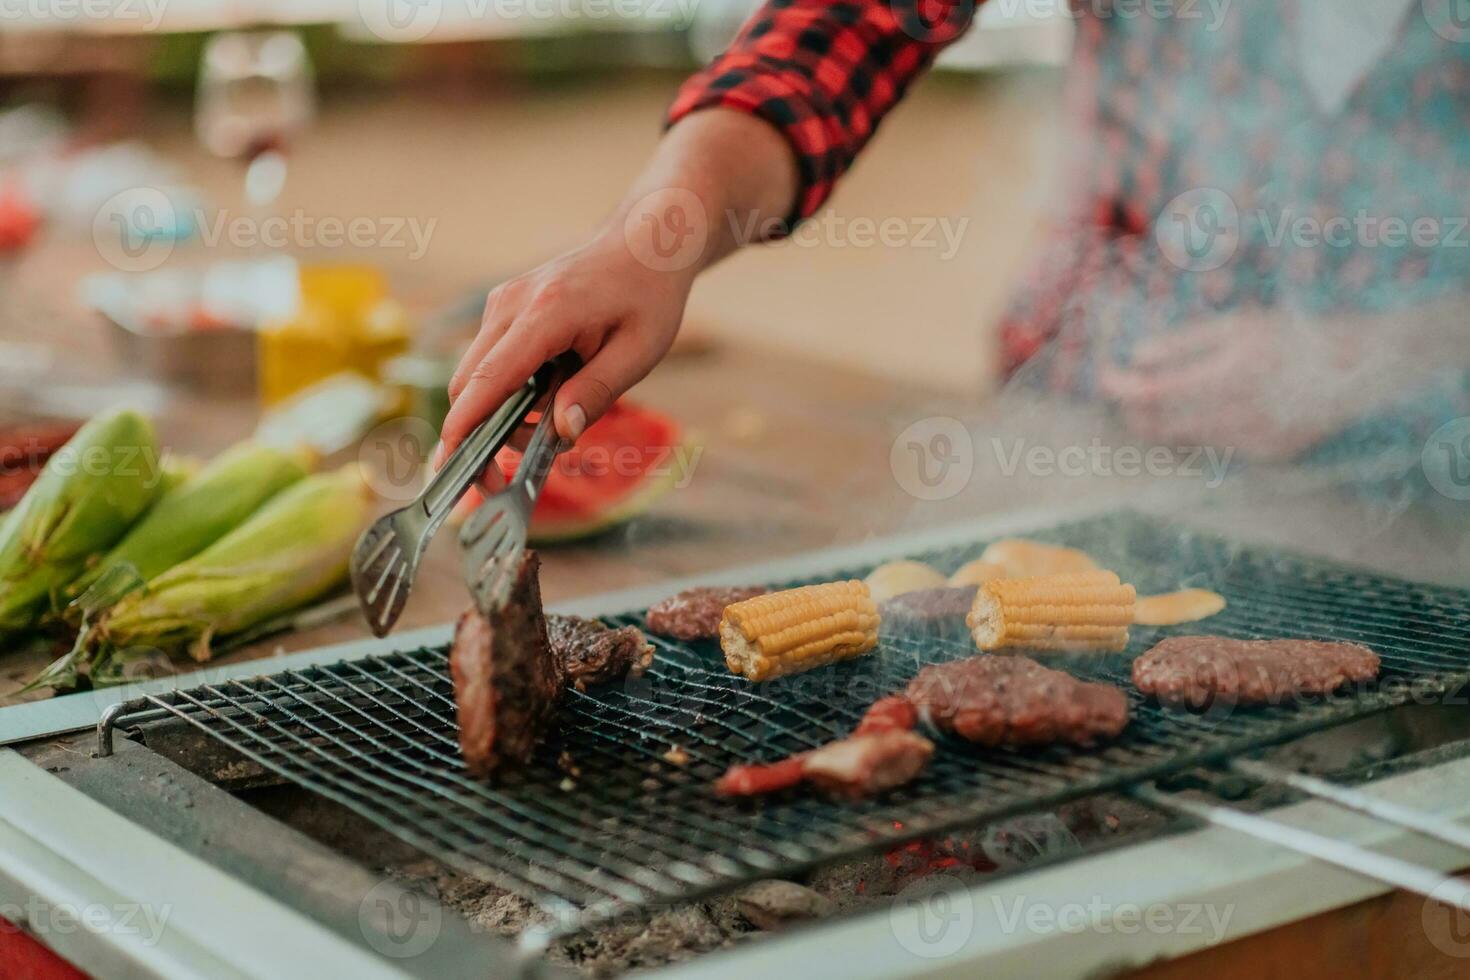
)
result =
(1257, 256)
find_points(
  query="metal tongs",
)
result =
(494, 537)
(386, 558)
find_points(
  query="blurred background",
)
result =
(439, 146)
(278, 221)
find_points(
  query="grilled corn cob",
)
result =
(292, 550)
(89, 493)
(1079, 611)
(787, 632)
(199, 511)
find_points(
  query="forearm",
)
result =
(719, 179)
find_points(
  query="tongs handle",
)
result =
(544, 444)
(470, 457)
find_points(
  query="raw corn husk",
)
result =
(198, 512)
(88, 494)
(293, 550)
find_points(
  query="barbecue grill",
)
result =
(616, 815)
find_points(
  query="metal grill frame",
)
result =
(674, 841)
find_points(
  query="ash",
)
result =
(672, 934)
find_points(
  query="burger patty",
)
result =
(694, 614)
(1198, 670)
(930, 605)
(1001, 700)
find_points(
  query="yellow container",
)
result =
(346, 322)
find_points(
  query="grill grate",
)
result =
(630, 829)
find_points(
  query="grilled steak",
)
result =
(694, 614)
(510, 671)
(507, 682)
(592, 652)
(1197, 671)
(996, 700)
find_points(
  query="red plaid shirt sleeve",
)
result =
(825, 73)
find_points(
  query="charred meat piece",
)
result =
(759, 778)
(1196, 671)
(998, 700)
(507, 681)
(894, 713)
(867, 762)
(694, 614)
(591, 652)
(863, 764)
(866, 765)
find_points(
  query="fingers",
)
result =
(503, 369)
(621, 363)
(501, 307)
(490, 480)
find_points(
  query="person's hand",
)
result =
(617, 314)
(617, 301)
(1265, 383)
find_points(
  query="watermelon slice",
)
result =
(623, 463)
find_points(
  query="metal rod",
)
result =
(1428, 824)
(1350, 857)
